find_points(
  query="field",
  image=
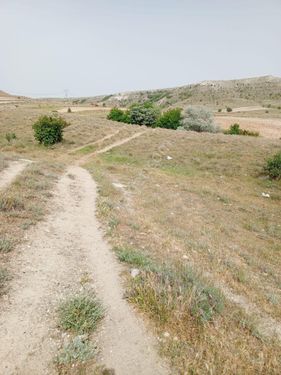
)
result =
(193, 215)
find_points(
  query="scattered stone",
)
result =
(265, 195)
(169, 157)
(184, 257)
(166, 334)
(135, 272)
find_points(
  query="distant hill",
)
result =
(216, 94)
(4, 94)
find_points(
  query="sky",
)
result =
(96, 47)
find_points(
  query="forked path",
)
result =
(56, 255)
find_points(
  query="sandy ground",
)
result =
(57, 252)
(268, 128)
(10, 173)
(82, 109)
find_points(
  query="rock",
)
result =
(265, 195)
(169, 157)
(166, 334)
(135, 272)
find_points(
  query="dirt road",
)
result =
(49, 266)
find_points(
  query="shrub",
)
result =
(273, 167)
(219, 110)
(236, 130)
(117, 114)
(69, 110)
(199, 120)
(144, 114)
(170, 119)
(80, 313)
(10, 136)
(48, 130)
(228, 109)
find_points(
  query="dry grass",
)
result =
(202, 208)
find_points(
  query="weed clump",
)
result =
(236, 130)
(171, 293)
(10, 137)
(48, 130)
(5, 245)
(273, 167)
(80, 314)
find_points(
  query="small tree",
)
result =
(144, 114)
(48, 130)
(170, 119)
(228, 109)
(117, 114)
(273, 167)
(199, 119)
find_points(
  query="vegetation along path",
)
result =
(56, 255)
(11, 172)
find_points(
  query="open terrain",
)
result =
(177, 233)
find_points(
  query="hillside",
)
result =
(216, 94)
(4, 94)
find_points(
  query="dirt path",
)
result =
(96, 142)
(10, 173)
(110, 147)
(51, 263)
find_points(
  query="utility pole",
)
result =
(66, 93)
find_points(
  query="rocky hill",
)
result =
(216, 94)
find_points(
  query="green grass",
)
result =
(78, 350)
(133, 257)
(5, 245)
(115, 158)
(87, 149)
(163, 290)
(80, 314)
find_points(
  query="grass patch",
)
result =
(86, 150)
(163, 290)
(80, 314)
(133, 257)
(114, 158)
(5, 245)
(78, 350)
(177, 170)
(9, 202)
(4, 277)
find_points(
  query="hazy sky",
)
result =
(93, 47)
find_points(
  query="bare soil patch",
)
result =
(268, 128)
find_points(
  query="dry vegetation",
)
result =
(187, 210)
(202, 209)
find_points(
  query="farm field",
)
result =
(187, 229)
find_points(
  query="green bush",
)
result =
(48, 130)
(219, 110)
(144, 114)
(228, 109)
(273, 167)
(199, 119)
(170, 119)
(119, 115)
(236, 130)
